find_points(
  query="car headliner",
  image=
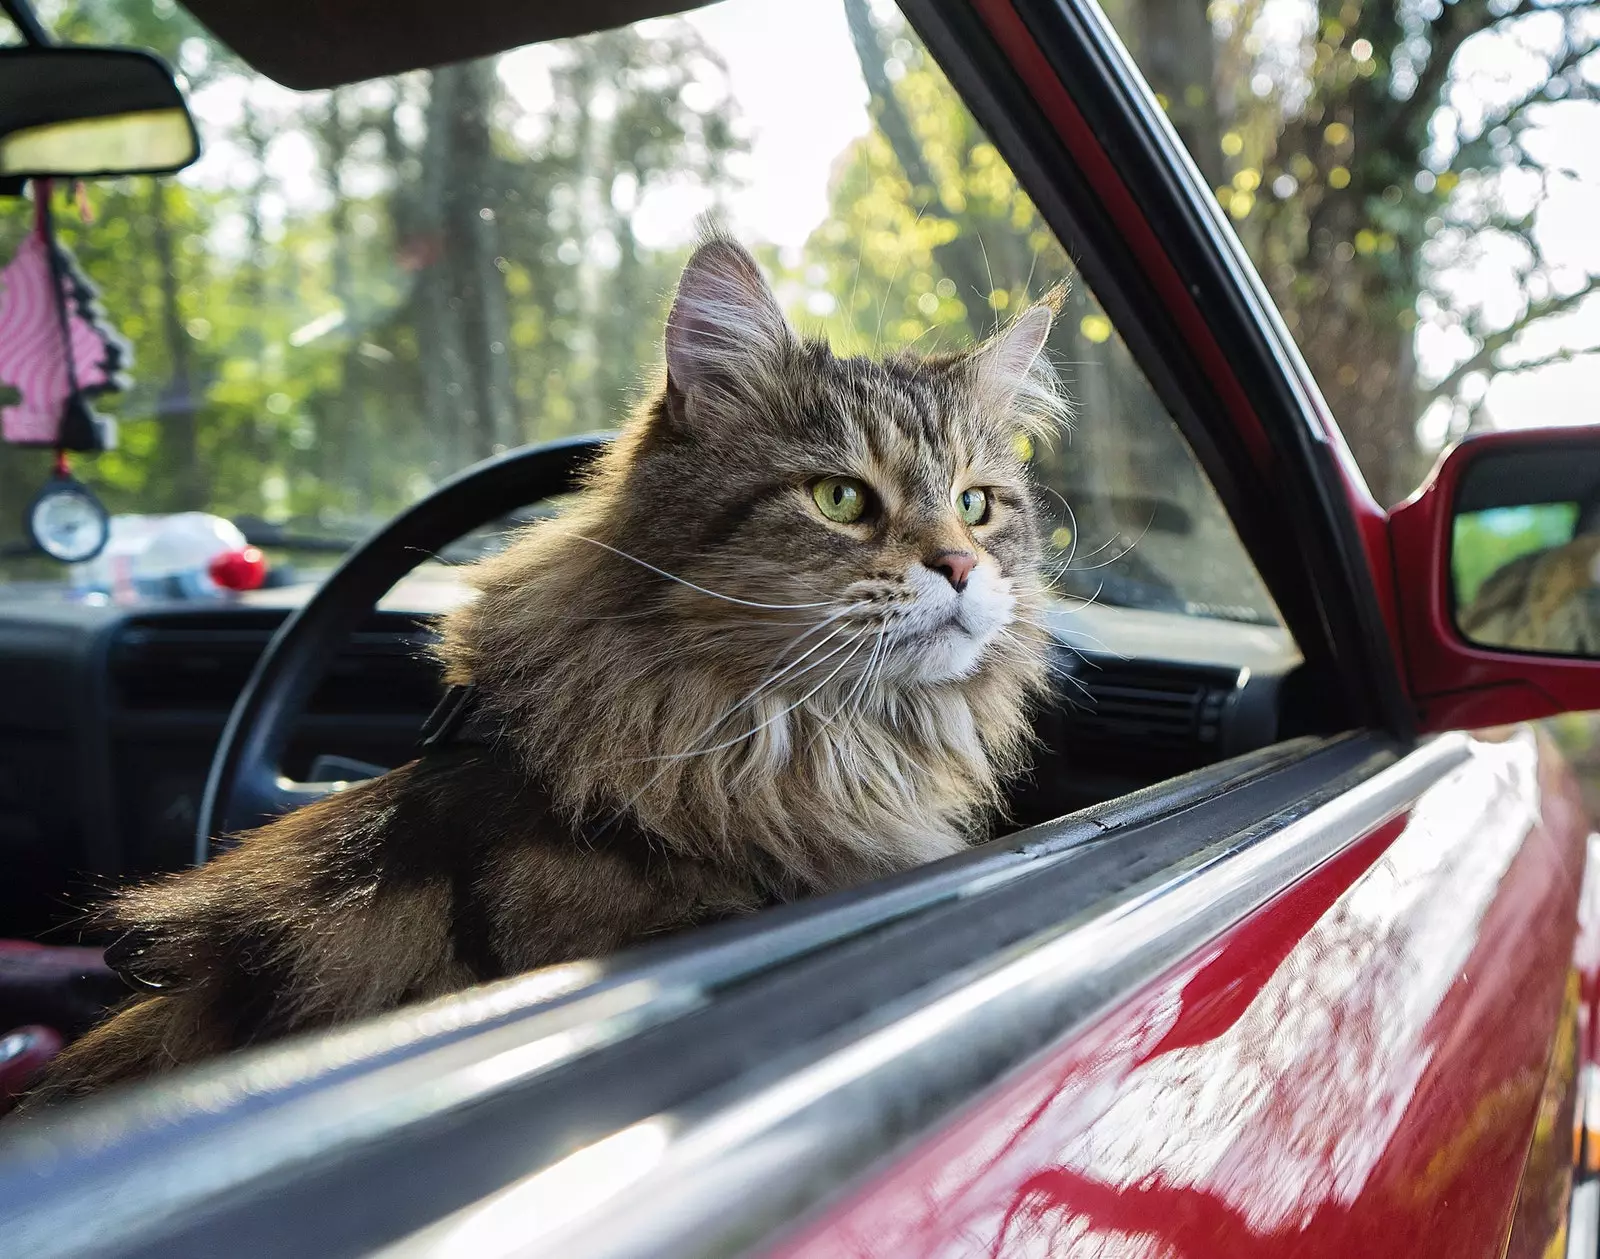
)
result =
(308, 44)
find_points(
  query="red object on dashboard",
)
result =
(243, 568)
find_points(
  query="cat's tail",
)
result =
(149, 1036)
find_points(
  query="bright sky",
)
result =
(800, 110)
(1494, 70)
(803, 108)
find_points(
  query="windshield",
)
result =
(356, 293)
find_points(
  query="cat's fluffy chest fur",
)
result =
(784, 643)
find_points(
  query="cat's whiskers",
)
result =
(1056, 670)
(1072, 518)
(1053, 628)
(1084, 603)
(661, 572)
(1122, 554)
(853, 646)
(627, 806)
(768, 680)
(874, 671)
(647, 665)
(794, 642)
(1104, 546)
(774, 674)
(1098, 643)
(657, 613)
(767, 684)
(858, 692)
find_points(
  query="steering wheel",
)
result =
(246, 786)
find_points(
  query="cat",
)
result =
(786, 641)
(1548, 601)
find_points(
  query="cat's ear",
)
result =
(1012, 376)
(1006, 362)
(725, 323)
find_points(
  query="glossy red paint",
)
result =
(1586, 963)
(1354, 1069)
(1455, 684)
(1586, 954)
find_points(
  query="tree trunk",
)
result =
(960, 258)
(471, 247)
(1178, 57)
(178, 407)
(1364, 361)
(438, 326)
(352, 450)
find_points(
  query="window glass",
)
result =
(1417, 184)
(356, 293)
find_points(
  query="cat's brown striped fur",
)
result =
(1545, 601)
(795, 719)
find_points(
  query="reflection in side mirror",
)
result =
(1525, 549)
(79, 113)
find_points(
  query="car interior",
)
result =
(1171, 654)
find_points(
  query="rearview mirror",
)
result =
(1497, 579)
(82, 113)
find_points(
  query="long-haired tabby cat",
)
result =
(785, 642)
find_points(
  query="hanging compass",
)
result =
(66, 521)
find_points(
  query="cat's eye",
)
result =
(973, 505)
(842, 499)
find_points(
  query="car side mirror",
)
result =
(80, 113)
(1497, 568)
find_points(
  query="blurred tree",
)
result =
(360, 291)
(1363, 160)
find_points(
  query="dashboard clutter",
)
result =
(186, 555)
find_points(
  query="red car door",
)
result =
(1383, 1059)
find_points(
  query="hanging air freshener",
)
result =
(57, 351)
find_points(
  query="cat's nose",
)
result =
(956, 566)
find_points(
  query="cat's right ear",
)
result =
(725, 327)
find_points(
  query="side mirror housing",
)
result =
(71, 112)
(1497, 572)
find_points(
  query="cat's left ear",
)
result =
(1012, 376)
(1006, 362)
(725, 327)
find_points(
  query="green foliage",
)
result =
(451, 273)
(364, 290)
(931, 244)
(1483, 542)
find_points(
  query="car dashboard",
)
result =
(109, 716)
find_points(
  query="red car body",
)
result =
(1384, 1059)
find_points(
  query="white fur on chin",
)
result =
(942, 634)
